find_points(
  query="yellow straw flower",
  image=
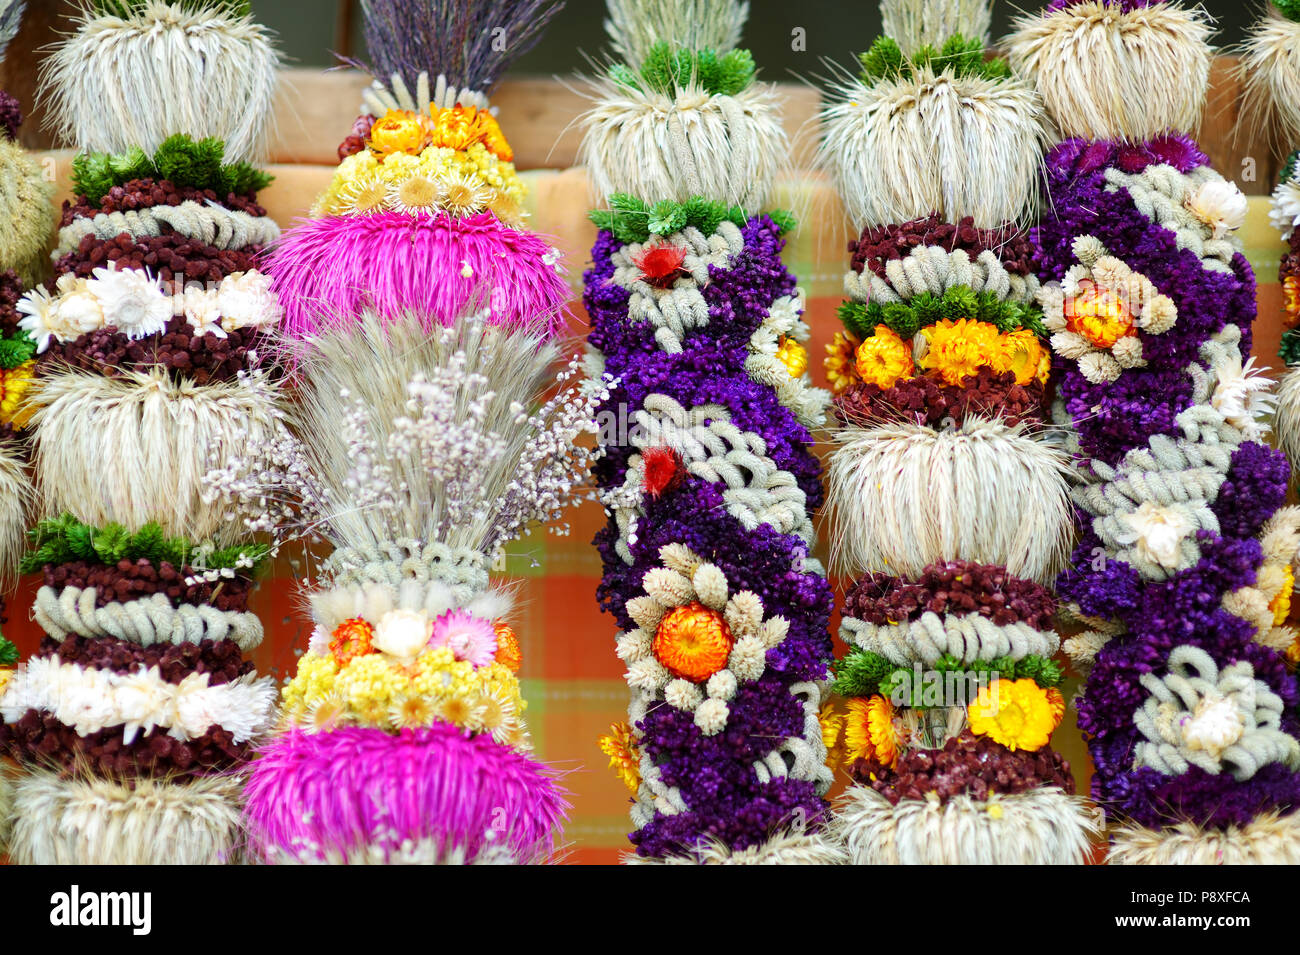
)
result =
(958, 350)
(1023, 354)
(869, 731)
(1281, 604)
(398, 131)
(840, 373)
(15, 383)
(793, 355)
(1016, 713)
(884, 358)
(832, 724)
(619, 744)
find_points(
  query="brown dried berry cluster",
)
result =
(220, 659)
(165, 256)
(878, 244)
(202, 359)
(1290, 271)
(966, 765)
(11, 290)
(356, 140)
(955, 587)
(133, 579)
(38, 737)
(930, 402)
(147, 193)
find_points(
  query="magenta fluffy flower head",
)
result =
(470, 638)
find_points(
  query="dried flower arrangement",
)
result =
(430, 431)
(947, 488)
(146, 363)
(707, 552)
(1185, 560)
(418, 456)
(423, 213)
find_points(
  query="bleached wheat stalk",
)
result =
(1286, 423)
(446, 437)
(1107, 74)
(117, 83)
(783, 848)
(902, 496)
(1269, 72)
(137, 448)
(656, 146)
(1268, 840)
(84, 819)
(16, 497)
(916, 23)
(1036, 827)
(905, 148)
(636, 25)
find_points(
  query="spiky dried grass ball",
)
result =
(27, 211)
(1269, 72)
(15, 501)
(1268, 840)
(959, 146)
(94, 821)
(139, 447)
(782, 848)
(1108, 73)
(658, 146)
(1036, 827)
(1286, 421)
(121, 82)
(904, 496)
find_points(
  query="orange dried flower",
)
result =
(351, 639)
(1099, 315)
(693, 642)
(398, 131)
(508, 652)
(459, 127)
(869, 731)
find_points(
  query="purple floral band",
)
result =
(726, 802)
(1115, 418)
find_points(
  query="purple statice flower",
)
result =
(715, 773)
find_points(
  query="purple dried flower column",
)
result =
(1185, 561)
(708, 478)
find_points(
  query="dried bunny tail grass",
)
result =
(654, 146)
(1109, 74)
(1037, 827)
(85, 820)
(1286, 421)
(903, 496)
(785, 848)
(139, 447)
(1269, 72)
(917, 23)
(905, 148)
(369, 366)
(121, 82)
(1268, 840)
(16, 497)
(27, 210)
(636, 25)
